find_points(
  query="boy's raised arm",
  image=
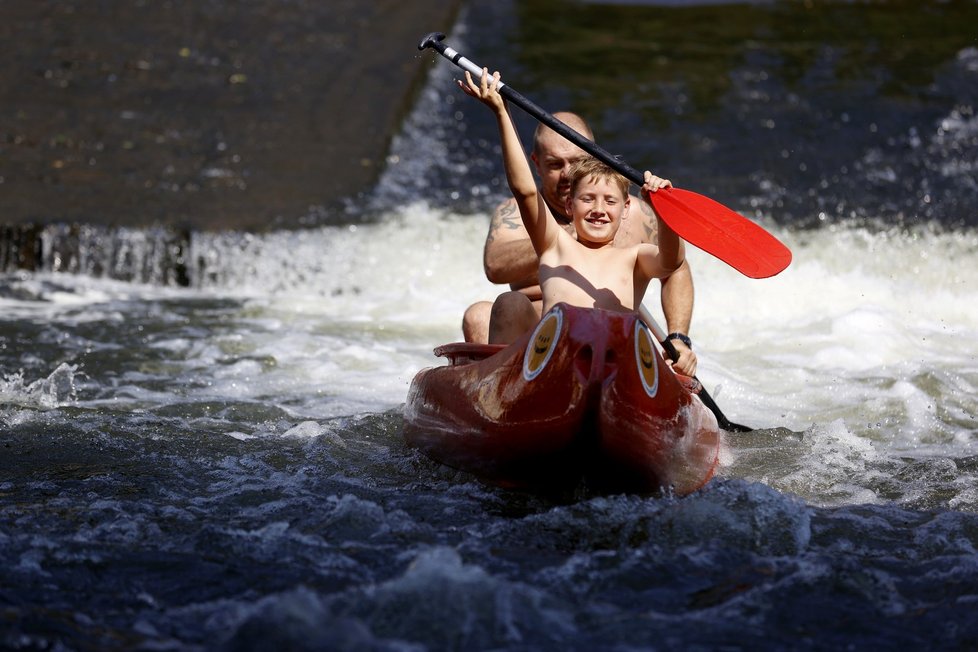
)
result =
(536, 216)
(670, 253)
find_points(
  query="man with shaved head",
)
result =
(508, 256)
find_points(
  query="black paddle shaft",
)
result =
(708, 401)
(435, 40)
(673, 354)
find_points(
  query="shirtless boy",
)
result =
(582, 268)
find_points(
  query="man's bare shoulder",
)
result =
(648, 225)
(639, 226)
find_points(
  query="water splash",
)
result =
(57, 390)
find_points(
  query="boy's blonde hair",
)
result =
(590, 167)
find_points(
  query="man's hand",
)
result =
(686, 364)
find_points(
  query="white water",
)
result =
(876, 333)
(875, 329)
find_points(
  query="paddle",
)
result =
(704, 395)
(702, 222)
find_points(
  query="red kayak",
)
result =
(586, 396)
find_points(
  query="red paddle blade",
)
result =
(721, 232)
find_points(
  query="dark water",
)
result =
(128, 531)
(222, 468)
(804, 112)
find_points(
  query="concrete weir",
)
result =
(184, 116)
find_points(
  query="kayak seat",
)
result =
(459, 353)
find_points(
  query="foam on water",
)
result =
(876, 329)
(411, 268)
(862, 354)
(870, 327)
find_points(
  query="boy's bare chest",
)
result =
(609, 267)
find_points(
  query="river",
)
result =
(220, 466)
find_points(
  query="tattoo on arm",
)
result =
(649, 225)
(507, 216)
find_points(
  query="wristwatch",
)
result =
(682, 337)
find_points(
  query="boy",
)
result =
(581, 268)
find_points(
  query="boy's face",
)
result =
(597, 207)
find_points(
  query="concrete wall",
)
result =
(199, 114)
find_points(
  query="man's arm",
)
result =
(508, 256)
(677, 297)
(677, 306)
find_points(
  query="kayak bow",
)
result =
(585, 396)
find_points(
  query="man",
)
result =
(509, 257)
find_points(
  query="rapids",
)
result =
(220, 466)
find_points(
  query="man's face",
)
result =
(553, 157)
(597, 207)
